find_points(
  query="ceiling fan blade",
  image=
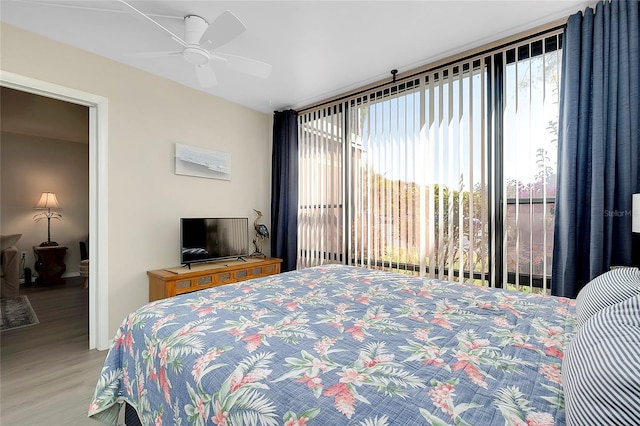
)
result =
(245, 65)
(70, 5)
(206, 76)
(149, 19)
(153, 54)
(222, 30)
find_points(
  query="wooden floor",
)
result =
(47, 374)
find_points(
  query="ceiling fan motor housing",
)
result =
(194, 27)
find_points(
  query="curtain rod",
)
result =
(419, 71)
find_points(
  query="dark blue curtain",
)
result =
(284, 189)
(598, 148)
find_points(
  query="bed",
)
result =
(335, 345)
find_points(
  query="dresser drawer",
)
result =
(194, 284)
(224, 278)
(204, 281)
(241, 275)
(183, 285)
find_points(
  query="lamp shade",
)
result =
(48, 200)
(635, 213)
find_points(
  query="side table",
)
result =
(50, 264)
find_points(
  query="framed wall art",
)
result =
(201, 162)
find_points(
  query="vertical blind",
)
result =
(411, 177)
(529, 147)
(321, 187)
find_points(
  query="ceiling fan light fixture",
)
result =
(195, 55)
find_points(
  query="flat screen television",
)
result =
(210, 239)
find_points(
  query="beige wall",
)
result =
(147, 115)
(30, 165)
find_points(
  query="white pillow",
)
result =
(601, 368)
(612, 287)
(9, 240)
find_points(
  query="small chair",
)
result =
(10, 272)
(84, 261)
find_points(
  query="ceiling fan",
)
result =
(200, 40)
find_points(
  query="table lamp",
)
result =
(48, 200)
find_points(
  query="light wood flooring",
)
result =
(47, 374)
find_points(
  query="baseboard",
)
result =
(68, 275)
(71, 275)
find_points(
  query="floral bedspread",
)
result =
(337, 345)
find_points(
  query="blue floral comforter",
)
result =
(337, 345)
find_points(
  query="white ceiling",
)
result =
(317, 49)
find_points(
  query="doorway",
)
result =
(98, 202)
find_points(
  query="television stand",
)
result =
(171, 282)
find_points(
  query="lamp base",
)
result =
(48, 244)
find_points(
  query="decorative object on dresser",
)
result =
(50, 264)
(170, 282)
(261, 233)
(48, 201)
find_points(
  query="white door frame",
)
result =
(98, 195)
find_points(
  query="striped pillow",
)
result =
(601, 368)
(605, 290)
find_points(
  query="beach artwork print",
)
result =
(200, 162)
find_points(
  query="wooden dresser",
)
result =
(170, 282)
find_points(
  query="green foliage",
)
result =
(391, 213)
(512, 403)
(382, 421)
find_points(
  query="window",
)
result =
(532, 84)
(449, 174)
